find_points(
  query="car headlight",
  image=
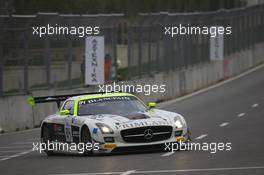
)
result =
(178, 124)
(104, 128)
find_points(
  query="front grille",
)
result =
(139, 149)
(146, 134)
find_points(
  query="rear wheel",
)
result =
(86, 139)
(46, 137)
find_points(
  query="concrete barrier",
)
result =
(16, 114)
(14, 77)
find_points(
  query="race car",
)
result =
(110, 122)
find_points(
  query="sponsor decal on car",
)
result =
(141, 124)
(98, 100)
(95, 130)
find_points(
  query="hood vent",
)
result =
(137, 116)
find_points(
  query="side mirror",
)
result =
(31, 101)
(152, 105)
(65, 112)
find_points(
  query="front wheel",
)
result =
(46, 137)
(86, 139)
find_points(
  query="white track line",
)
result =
(102, 173)
(241, 114)
(201, 136)
(224, 124)
(19, 132)
(128, 172)
(22, 143)
(14, 147)
(12, 151)
(255, 105)
(16, 155)
(167, 103)
(167, 154)
(33, 139)
(174, 171)
(200, 170)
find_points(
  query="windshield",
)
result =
(110, 105)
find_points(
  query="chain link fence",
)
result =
(29, 62)
(151, 51)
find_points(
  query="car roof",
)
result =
(102, 95)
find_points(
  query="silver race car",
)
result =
(109, 123)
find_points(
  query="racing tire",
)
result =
(86, 138)
(46, 136)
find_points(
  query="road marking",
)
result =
(14, 147)
(102, 173)
(241, 114)
(224, 124)
(201, 137)
(34, 139)
(255, 105)
(174, 171)
(22, 143)
(16, 155)
(167, 154)
(199, 170)
(12, 151)
(128, 172)
(20, 132)
(167, 103)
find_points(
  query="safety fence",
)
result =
(151, 50)
(29, 61)
(47, 50)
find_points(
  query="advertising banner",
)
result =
(217, 47)
(94, 60)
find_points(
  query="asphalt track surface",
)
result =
(233, 112)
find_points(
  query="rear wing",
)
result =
(56, 98)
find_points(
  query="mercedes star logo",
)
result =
(148, 134)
